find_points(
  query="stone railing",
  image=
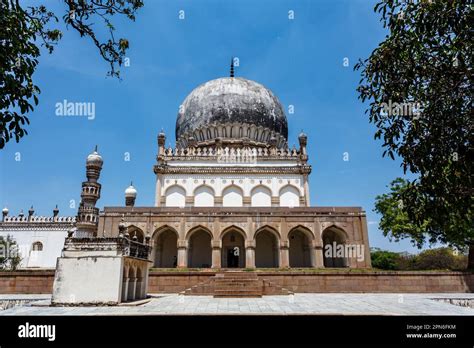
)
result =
(232, 155)
(45, 219)
(120, 245)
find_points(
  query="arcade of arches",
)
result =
(233, 249)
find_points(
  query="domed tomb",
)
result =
(231, 110)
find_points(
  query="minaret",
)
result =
(88, 214)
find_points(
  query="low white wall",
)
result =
(88, 280)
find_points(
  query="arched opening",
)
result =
(261, 197)
(232, 196)
(200, 249)
(266, 249)
(334, 240)
(175, 196)
(289, 197)
(37, 246)
(299, 248)
(233, 249)
(136, 232)
(204, 196)
(166, 248)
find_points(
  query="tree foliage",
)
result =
(425, 63)
(431, 259)
(23, 30)
(9, 254)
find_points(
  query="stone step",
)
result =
(236, 284)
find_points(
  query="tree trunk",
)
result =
(470, 257)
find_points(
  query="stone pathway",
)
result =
(309, 304)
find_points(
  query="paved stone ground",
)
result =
(345, 304)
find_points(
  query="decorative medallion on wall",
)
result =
(224, 181)
(280, 181)
(196, 181)
(212, 181)
(252, 181)
(241, 181)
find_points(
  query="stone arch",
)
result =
(37, 246)
(232, 196)
(233, 247)
(300, 243)
(199, 247)
(204, 196)
(136, 231)
(175, 196)
(267, 241)
(261, 196)
(334, 239)
(289, 196)
(165, 247)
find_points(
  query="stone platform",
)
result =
(297, 304)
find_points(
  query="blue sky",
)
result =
(300, 60)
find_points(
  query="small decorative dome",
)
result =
(5, 211)
(302, 135)
(130, 191)
(230, 109)
(95, 158)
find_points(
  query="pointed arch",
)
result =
(162, 229)
(233, 228)
(197, 228)
(199, 247)
(267, 242)
(233, 247)
(165, 247)
(261, 196)
(175, 196)
(232, 196)
(204, 196)
(136, 231)
(333, 237)
(289, 196)
(269, 229)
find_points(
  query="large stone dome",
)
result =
(231, 110)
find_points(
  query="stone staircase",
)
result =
(236, 284)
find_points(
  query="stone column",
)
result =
(250, 254)
(284, 255)
(317, 258)
(182, 254)
(132, 282)
(216, 254)
(306, 190)
(158, 190)
(138, 288)
(124, 289)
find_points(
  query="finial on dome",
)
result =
(232, 67)
(95, 149)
